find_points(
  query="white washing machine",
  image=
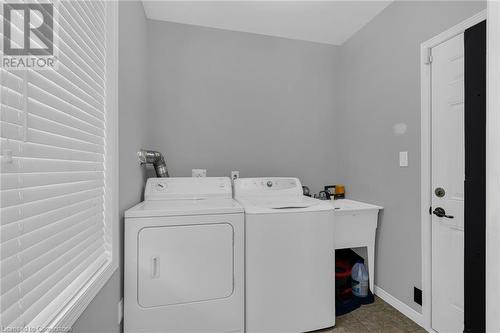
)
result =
(289, 257)
(184, 258)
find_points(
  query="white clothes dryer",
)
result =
(184, 258)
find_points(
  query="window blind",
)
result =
(52, 189)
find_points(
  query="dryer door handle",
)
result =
(155, 267)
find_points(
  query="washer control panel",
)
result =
(267, 186)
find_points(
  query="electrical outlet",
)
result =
(120, 311)
(417, 295)
(199, 172)
(235, 175)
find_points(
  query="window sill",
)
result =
(65, 319)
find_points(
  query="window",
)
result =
(58, 189)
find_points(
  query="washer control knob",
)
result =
(269, 183)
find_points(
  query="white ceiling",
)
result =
(331, 22)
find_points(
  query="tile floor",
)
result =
(378, 317)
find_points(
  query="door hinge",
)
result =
(428, 58)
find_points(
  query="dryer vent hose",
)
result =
(155, 158)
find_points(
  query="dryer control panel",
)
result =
(271, 186)
(188, 188)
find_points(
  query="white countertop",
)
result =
(347, 205)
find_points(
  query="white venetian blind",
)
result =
(53, 122)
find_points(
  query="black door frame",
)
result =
(475, 179)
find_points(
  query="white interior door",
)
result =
(448, 174)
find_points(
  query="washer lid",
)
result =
(277, 205)
(159, 208)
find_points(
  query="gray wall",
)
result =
(269, 106)
(102, 313)
(380, 88)
(223, 101)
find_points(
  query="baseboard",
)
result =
(400, 306)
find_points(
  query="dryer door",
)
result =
(181, 264)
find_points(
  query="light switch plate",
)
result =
(199, 172)
(403, 159)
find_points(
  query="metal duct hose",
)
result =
(155, 158)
